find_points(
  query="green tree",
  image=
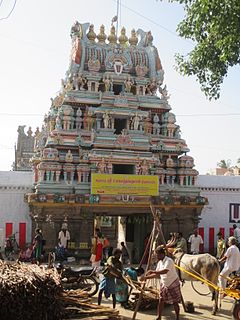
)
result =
(224, 164)
(214, 26)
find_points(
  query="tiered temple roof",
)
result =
(112, 115)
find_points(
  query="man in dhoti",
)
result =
(231, 259)
(170, 286)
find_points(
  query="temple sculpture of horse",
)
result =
(202, 265)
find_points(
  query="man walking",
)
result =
(170, 286)
(232, 261)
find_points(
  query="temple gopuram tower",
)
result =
(110, 146)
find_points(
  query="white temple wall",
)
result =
(222, 210)
(14, 212)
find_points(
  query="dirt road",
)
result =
(202, 304)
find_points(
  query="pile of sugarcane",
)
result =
(29, 292)
(34, 292)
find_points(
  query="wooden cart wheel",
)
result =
(199, 287)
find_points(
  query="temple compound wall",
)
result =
(14, 212)
(222, 210)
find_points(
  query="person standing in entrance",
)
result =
(170, 285)
(97, 249)
(64, 236)
(195, 240)
(125, 254)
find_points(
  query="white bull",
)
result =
(203, 265)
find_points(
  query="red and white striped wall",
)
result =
(209, 235)
(20, 231)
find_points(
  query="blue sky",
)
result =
(34, 56)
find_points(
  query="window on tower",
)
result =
(117, 89)
(119, 125)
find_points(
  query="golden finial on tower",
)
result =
(102, 36)
(123, 38)
(91, 34)
(112, 38)
(133, 40)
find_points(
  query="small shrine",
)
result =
(110, 146)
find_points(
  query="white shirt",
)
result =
(168, 278)
(233, 258)
(195, 242)
(63, 239)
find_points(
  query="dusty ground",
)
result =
(202, 304)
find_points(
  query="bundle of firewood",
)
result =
(149, 299)
(33, 292)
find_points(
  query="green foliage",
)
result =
(214, 25)
(224, 164)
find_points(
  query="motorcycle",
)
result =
(11, 246)
(84, 278)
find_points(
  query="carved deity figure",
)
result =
(177, 133)
(67, 117)
(75, 29)
(79, 81)
(156, 125)
(148, 126)
(89, 118)
(135, 122)
(75, 81)
(144, 167)
(102, 166)
(128, 84)
(79, 120)
(164, 93)
(106, 120)
(69, 156)
(108, 83)
(109, 167)
(170, 162)
(138, 169)
(152, 87)
(58, 124)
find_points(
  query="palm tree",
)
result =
(225, 164)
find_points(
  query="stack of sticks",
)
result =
(30, 292)
(77, 305)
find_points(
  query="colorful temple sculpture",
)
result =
(110, 146)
